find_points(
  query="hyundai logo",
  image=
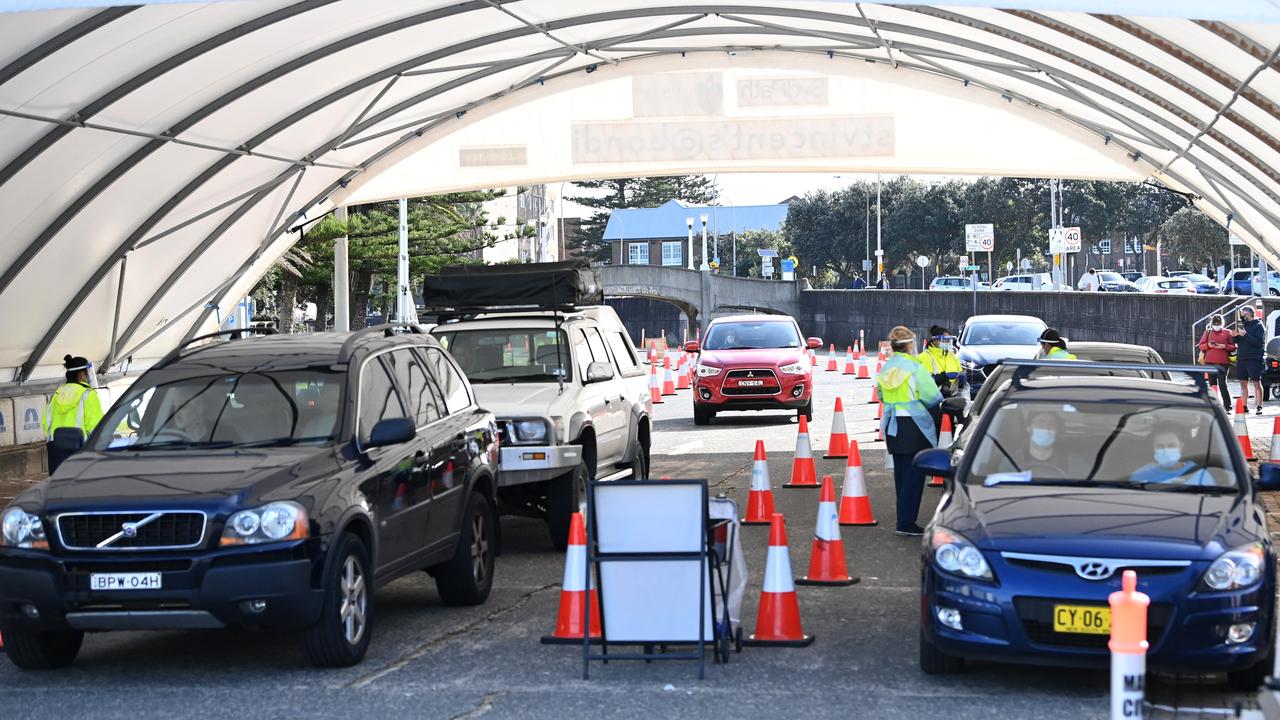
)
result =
(1094, 570)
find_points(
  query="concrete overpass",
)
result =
(699, 295)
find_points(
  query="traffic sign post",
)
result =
(789, 269)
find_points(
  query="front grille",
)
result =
(770, 386)
(1036, 615)
(1064, 569)
(176, 529)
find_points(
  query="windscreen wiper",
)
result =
(163, 444)
(1178, 487)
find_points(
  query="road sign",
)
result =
(866, 265)
(922, 261)
(1026, 264)
(1064, 240)
(972, 268)
(979, 238)
(1008, 266)
(788, 265)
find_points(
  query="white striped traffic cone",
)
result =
(849, 369)
(655, 388)
(838, 444)
(833, 365)
(855, 505)
(668, 380)
(944, 442)
(826, 561)
(574, 591)
(778, 619)
(864, 368)
(1242, 430)
(1275, 441)
(760, 498)
(803, 472)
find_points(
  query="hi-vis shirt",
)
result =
(72, 405)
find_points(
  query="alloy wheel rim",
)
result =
(479, 549)
(355, 597)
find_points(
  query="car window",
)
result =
(598, 353)
(622, 351)
(457, 396)
(1002, 333)
(1127, 444)
(415, 384)
(378, 397)
(503, 355)
(752, 335)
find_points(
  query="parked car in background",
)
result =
(1109, 281)
(987, 339)
(1165, 286)
(1237, 282)
(1203, 284)
(1025, 283)
(1273, 284)
(270, 482)
(1131, 275)
(954, 283)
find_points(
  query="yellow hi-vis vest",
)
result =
(1059, 354)
(72, 405)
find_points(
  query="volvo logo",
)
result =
(129, 529)
(1094, 570)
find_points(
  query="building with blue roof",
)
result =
(657, 236)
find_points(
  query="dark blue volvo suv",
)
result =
(1065, 482)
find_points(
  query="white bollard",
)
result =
(1128, 646)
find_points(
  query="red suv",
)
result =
(752, 362)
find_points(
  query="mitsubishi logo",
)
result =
(1094, 570)
(750, 374)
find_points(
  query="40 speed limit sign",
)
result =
(979, 238)
(1064, 240)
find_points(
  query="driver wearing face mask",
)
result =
(1047, 450)
(1169, 465)
(939, 358)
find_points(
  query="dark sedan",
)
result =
(1065, 483)
(987, 339)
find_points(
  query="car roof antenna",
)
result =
(555, 300)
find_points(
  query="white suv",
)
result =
(953, 283)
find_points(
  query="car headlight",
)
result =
(953, 553)
(1234, 569)
(275, 522)
(795, 368)
(708, 370)
(21, 529)
(528, 432)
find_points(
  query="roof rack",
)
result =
(232, 334)
(1199, 374)
(385, 329)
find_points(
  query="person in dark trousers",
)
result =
(1251, 342)
(1216, 345)
(910, 396)
(882, 283)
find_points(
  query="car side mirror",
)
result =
(814, 343)
(1269, 476)
(692, 347)
(392, 431)
(599, 372)
(68, 439)
(934, 461)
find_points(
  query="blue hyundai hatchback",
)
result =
(1062, 484)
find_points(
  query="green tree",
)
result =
(641, 192)
(1194, 237)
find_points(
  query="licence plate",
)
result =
(1088, 619)
(750, 383)
(124, 581)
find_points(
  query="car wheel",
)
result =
(468, 577)
(806, 411)
(564, 497)
(1273, 292)
(640, 464)
(42, 649)
(341, 637)
(935, 662)
(702, 417)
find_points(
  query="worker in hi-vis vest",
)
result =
(1053, 346)
(75, 404)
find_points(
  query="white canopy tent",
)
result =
(153, 159)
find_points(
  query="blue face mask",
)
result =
(1168, 456)
(1042, 437)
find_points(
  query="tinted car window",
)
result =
(416, 385)
(378, 397)
(175, 407)
(752, 336)
(996, 333)
(594, 342)
(622, 351)
(457, 396)
(1106, 443)
(509, 356)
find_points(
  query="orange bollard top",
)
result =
(828, 490)
(760, 450)
(855, 457)
(777, 531)
(577, 529)
(840, 407)
(804, 425)
(1128, 617)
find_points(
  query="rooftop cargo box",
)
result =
(546, 286)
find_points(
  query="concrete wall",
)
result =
(653, 317)
(1162, 322)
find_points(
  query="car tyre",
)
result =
(341, 637)
(1252, 677)
(564, 497)
(640, 464)
(42, 649)
(806, 411)
(703, 417)
(935, 662)
(467, 578)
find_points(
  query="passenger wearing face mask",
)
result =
(1216, 346)
(909, 395)
(1169, 465)
(940, 360)
(1046, 453)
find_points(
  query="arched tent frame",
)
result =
(153, 159)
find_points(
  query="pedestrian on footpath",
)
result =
(1091, 282)
(1053, 346)
(1251, 343)
(1216, 345)
(909, 395)
(74, 404)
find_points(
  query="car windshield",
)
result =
(174, 408)
(1196, 277)
(1109, 443)
(1002, 333)
(752, 336)
(503, 355)
(1110, 277)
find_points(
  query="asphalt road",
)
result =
(428, 661)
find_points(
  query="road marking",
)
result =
(686, 448)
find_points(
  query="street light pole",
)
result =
(689, 222)
(705, 267)
(879, 250)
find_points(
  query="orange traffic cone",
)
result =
(682, 373)
(875, 392)
(760, 498)
(655, 389)
(864, 371)
(813, 358)
(879, 411)
(668, 380)
(855, 506)
(1242, 430)
(848, 362)
(826, 561)
(803, 472)
(778, 620)
(944, 441)
(838, 445)
(1275, 442)
(832, 363)
(575, 590)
